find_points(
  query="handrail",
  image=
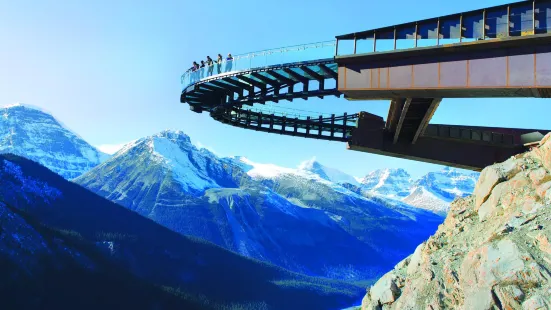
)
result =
(244, 61)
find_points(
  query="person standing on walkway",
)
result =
(202, 69)
(229, 63)
(219, 64)
(194, 72)
(210, 64)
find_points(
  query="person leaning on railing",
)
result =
(229, 63)
(219, 63)
(193, 74)
(210, 64)
(202, 69)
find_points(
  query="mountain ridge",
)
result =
(89, 229)
(31, 132)
(247, 207)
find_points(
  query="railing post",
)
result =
(344, 126)
(337, 48)
(395, 37)
(509, 22)
(259, 123)
(484, 24)
(355, 41)
(332, 125)
(416, 31)
(533, 17)
(320, 123)
(307, 125)
(438, 32)
(295, 129)
(461, 28)
(283, 124)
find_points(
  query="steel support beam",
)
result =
(464, 147)
(426, 118)
(401, 119)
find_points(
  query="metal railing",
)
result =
(259, 59)
(518, 19)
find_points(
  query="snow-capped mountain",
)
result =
(326, 173)
(391, 183)
(65, 246)
(294, 218)
(29, 132)
(436, 190)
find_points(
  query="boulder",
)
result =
(489, 178)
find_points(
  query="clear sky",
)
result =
(110, 70)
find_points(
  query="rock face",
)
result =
(493, 251)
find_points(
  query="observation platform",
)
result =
(501, 51)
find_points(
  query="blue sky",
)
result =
(110, 70)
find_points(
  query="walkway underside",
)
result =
(407, 134)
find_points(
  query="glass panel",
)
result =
(405, 37)
(346, 47)
(543, 16)
(496, 24)
(473, 27)
(384, 41)
(521, 20)
(428, 34)
(365, 44)
(450, 31)
(243, 62)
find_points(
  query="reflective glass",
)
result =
(236, 63)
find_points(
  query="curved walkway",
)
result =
(225, 95)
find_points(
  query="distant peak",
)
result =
(388, 172)
(309, 164)
(174, 135)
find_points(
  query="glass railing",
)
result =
(520, 19)
(276, 56)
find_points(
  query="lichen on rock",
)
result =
(493, 251)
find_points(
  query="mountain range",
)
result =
(299, 220)
(433, 191)
(314, 220)
(63, 247)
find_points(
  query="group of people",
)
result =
(197, 72)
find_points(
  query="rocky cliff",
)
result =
(493, 251)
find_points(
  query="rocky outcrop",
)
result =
(493, 251)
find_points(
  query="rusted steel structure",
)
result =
(510, 67)
(502, 51)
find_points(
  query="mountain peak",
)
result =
(388, 182)
(31, 132)
(173, 135)
(326, 173)
(310, 164)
